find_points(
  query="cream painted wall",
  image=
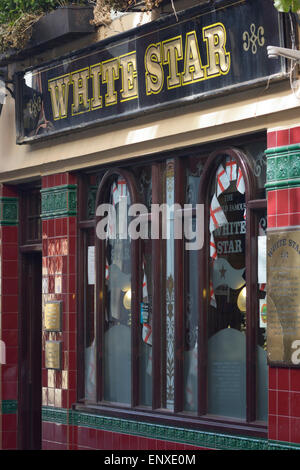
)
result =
(213, 119)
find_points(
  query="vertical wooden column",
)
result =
(9, 316)
(59, 239)
(283, 195)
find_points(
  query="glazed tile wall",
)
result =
(9, 316)
(284, 384)
(59, 238)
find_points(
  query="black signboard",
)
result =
(210, 49)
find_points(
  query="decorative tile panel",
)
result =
(208, 440)
(8, 211)
(59, 201)
(9, 407)
(283, 166)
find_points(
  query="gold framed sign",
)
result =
(53, 355)
(53, 316)
(283, 297)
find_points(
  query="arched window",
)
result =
(179, 329)
(119, 286)
(232, 360)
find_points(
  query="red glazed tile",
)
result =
(72, 264)
(294, 219)
(72, 379)
(11, 355)
(64, 226)
(48, 431)
(283, 201)
(294, 200)
(9, 423)
(10, 252)
(9, 440)
(9, 321)
(295, 380)
(58, 227)
(283, 429)
(271, 139)
(107, 440)
(283, 379)
(283, 403)
(72, 179)
(57, 179)
(116, 441)
(10, 373)
(72, 227)
(72, 303)
(72, 397)
(72, 339)
(60, 433)
(64, 178)
(8, 191)
(10, 391)
(10, 304)
(72, 246)
(283, 137)
(272, 203)
(295, 430)
(131, 442)
(51, 181)
(72, 283)
(100, 439)
(44, 182)
(272, 427)
(272, 221)
(161, 445)
(9, 235)
(283, 220)
(9, 269)
(295, 135)
(9, 286)
(295, 404)
(10, 338)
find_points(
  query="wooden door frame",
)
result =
(25, 257)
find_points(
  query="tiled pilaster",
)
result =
(59, 204)
(283, 185)
(9, 316)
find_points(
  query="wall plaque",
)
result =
(53, 316)
(283, 297)
(53, 355)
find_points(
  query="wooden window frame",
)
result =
(158, 415)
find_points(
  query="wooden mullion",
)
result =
(156, 298)
(179, 293)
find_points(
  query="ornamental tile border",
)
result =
(283, 167)
(9, 407)
(59, 201)
(9, 211)
(207, 440)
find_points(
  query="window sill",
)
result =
(209, 424)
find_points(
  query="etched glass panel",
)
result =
(227, 300)
(117, 325)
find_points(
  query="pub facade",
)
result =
(149, 233)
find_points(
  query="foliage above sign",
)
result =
(287, 5)
(158, 65)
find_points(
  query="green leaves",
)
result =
(287, 5)
(11, 10)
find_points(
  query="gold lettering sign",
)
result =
(115, 80)
(53, 355)
(52, 316)
(283, 297)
